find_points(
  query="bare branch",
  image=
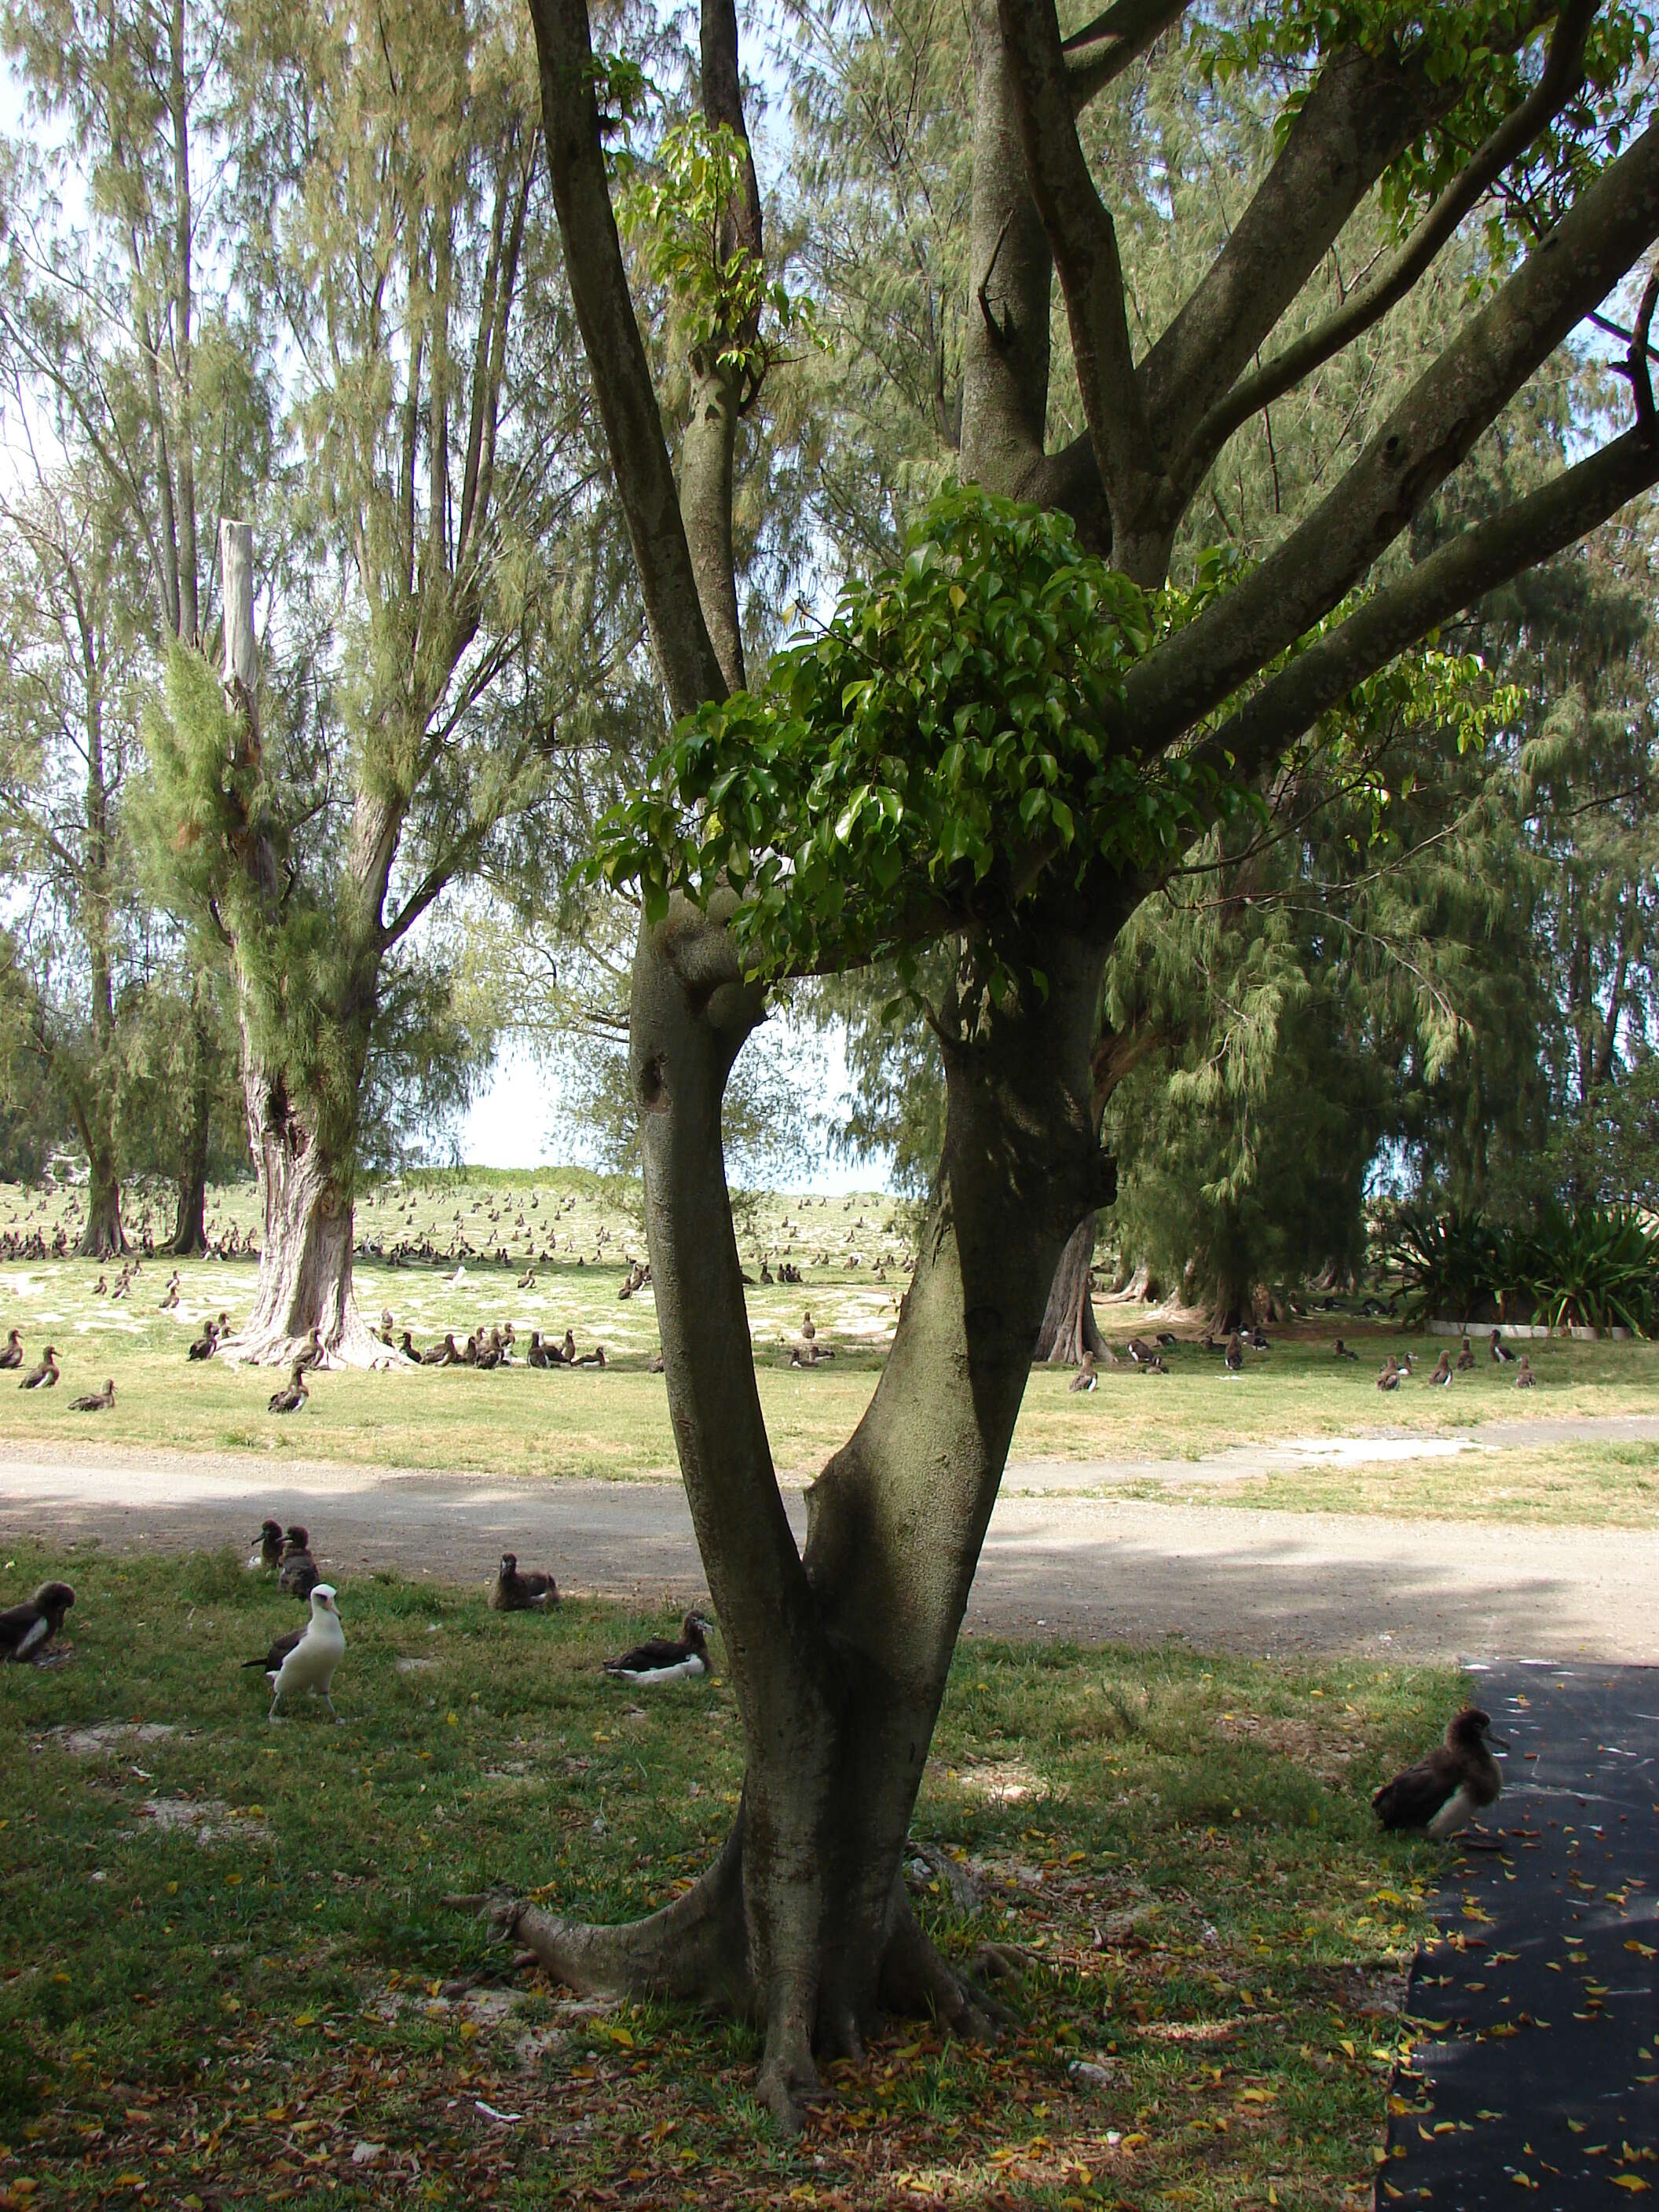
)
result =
(1367, 304)
(1103, 50)
(1477, 560)
(1084, 241)
(623, 386)
(1421, 442)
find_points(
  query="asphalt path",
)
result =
(1055, 1564)
(1537, 2078)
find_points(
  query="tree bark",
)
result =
(103, 1236)
(306, 1255)
(1069, 1329)
(190, 1223)
(839, 1657)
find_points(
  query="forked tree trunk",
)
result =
(1069, 1329)
(838, 1658)
(189, 1238)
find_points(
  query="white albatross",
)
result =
(310, 1662)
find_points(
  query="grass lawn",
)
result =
(615, 1424)
(229, 1968)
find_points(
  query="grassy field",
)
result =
(230, 1979)
(615, 1423)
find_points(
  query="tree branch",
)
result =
(1362, 111)
(1477, 560)
(1561, 76)
(1084, 241)
(623, 387)
(1427, 435)
(1103, 50)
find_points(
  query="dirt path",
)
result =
(1053, 1564)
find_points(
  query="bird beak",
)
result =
(1499, 1742)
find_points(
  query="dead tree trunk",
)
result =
(838, 1658)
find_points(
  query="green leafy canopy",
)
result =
(950, 747)
(924, 760)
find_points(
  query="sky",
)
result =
(516, 1122)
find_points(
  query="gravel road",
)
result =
(1055, 1564)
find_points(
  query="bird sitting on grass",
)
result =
(1085, 1378)
(45, 1376)
(537, 1355)
(442, 1355)
(594, 1359)
(1502, 1355)
(1343, 1352)
(170, 1296)
(205, 1346)
(12, 1355)
(661, 1661)
(1139, 1350)
(94, 1402)
(1444, 1791)
(513, 1591)
(1442, 1372)
(407, 1346)
(292, 1395)
(1524, 1377)
(267, 1553)
(310, 1354)
(1389, 1378)
(306, 1659)
(297, 1574)
(1234, 1354)
(1465, 1357)
(1154, 1364)
(26, 1629)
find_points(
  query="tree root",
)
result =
(917, 1978)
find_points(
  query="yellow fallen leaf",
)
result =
(304, 2020)
(1634, 2182)
(1642, 1950)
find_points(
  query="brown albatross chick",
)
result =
(514, 1591)
(26, 1629)
(1443, 1792)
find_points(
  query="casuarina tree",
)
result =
(998, 746)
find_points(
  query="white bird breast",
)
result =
(311, 1664)
(685, 1670)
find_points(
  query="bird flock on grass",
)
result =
(1149, 1358)
(1439, 1796)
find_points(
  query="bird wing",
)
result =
(658, 1652)
(1414, 1796)
(21, 1629)
(281, 1648)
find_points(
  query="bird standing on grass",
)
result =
(267, 1553)
(1443, 1792)
(661, 1661)
(513, 1591)
(297, 1574)
(26, 1629)
(306, 1659)
(94, 1402)
(43, 1377)
(1501, 1353)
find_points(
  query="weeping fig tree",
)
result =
(996, 747)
